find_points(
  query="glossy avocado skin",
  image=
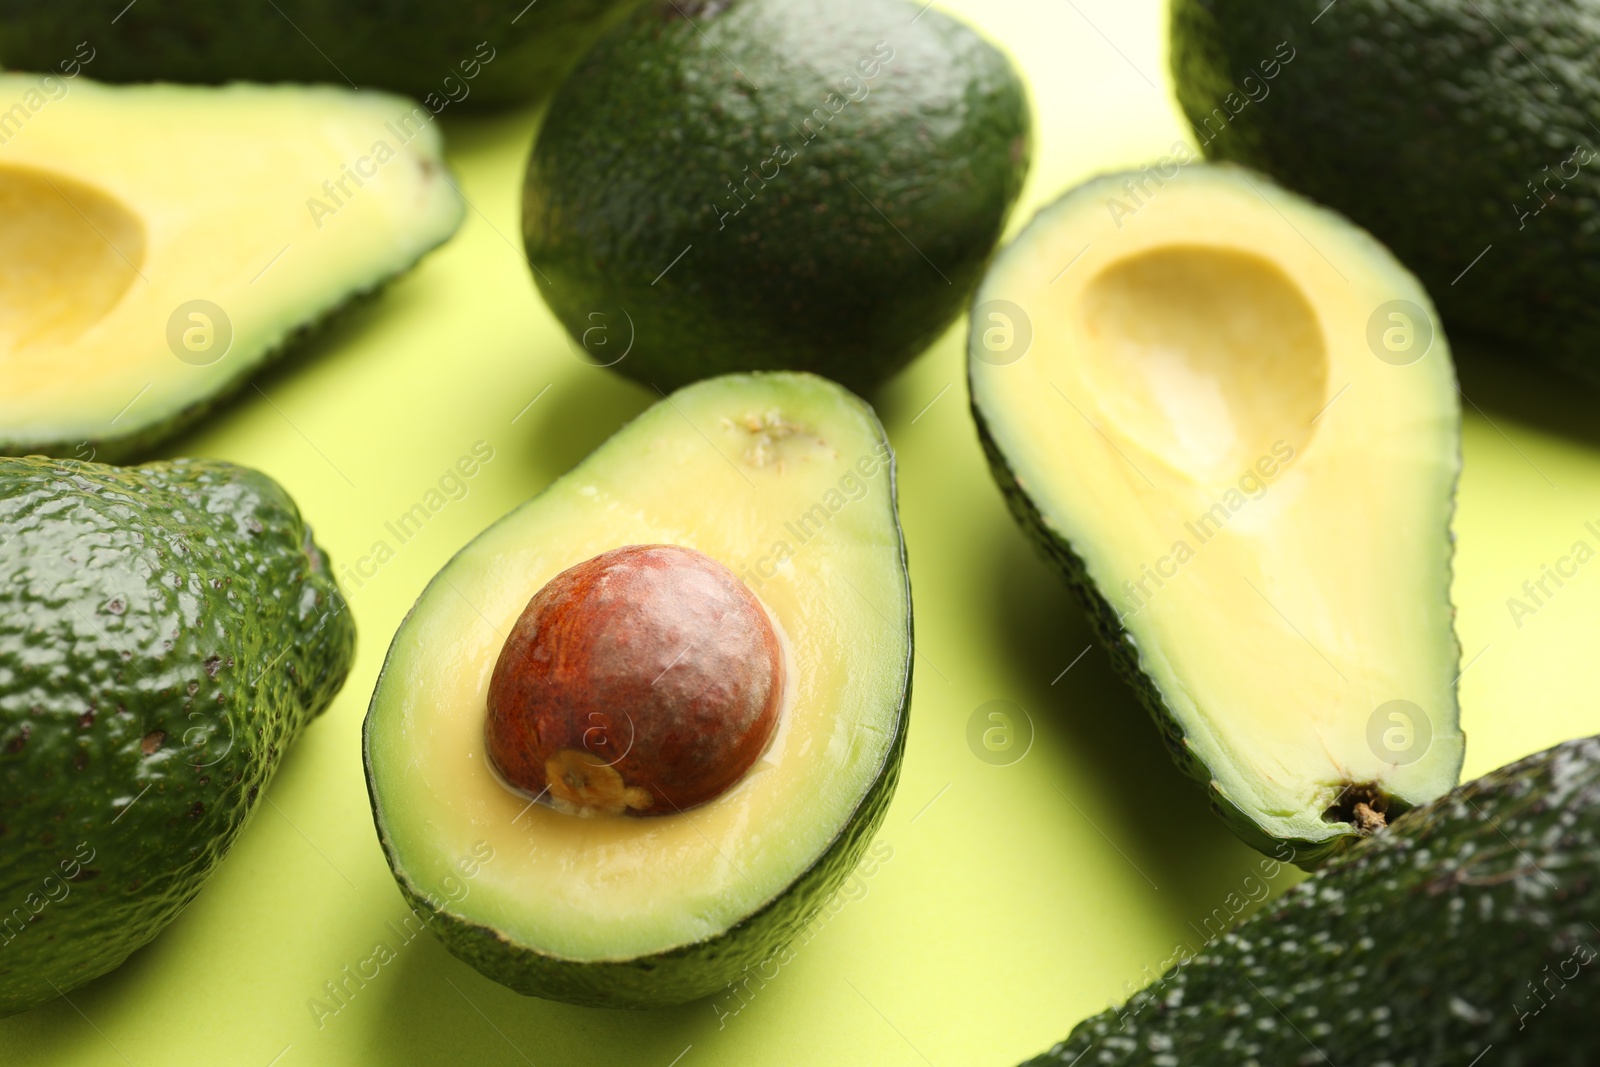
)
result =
(166, 632)
(442, 54)
(1444, 128)
(1469, 923)
(833, 205)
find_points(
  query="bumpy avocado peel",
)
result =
(166, 632)
(1469, 924)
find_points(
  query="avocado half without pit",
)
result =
(1230, 417)
(135, 295)
(639, 731)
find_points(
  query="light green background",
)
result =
(1018, 899)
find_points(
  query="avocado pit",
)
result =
(643, 681)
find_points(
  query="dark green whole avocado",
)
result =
(442, 54)
(1451, 129)
(1467, 925)
(773, 184)
(166, 632)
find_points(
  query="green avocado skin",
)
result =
(773, 184)
(1448, 128)
(1469, 923)
(442, 54)
(166, 632)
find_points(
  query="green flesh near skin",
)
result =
(785, 479)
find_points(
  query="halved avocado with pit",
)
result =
(601, 889)
(1231, 418)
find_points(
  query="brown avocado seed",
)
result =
(643, 681)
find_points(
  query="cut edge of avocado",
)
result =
(676, 975)
(140, 441)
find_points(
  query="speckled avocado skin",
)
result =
(166, 632)
(1444, 127)
(1469, 923)
(733, 185)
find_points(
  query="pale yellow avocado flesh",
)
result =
(121, 205)
(784, 479)
(1262, 500)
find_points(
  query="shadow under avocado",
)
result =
(323, 339)
(431, 1015)
(472, 132)
(1178, 842)
(575, 418)
(465, 134)
(1531, 393)
(69, 1028)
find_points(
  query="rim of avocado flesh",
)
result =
(1230, 416)
(788, 481)
(138, 293)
